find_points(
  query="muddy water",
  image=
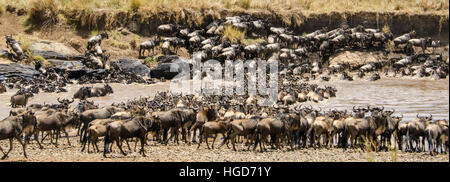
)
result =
(406, 96)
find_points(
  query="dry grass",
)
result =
(311, 6)
(233, 34)
(2, 8)
(43, 13)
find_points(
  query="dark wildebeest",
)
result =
(173, 120)
(97, 39)
(416, 132)
(240, 127)
(89, 115)
(433, 132)
(55, 122)
(136, 127)
(211, 127)
(86, 92)
(13, 127)
(20, 100)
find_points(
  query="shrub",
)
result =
(233, 34)
(135, 5)
(42, 13)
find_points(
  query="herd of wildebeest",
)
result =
(239, 119)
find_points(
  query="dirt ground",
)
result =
(189, 153)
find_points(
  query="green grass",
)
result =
(118, 44)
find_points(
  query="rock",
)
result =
(66, 65)
(163, 69)
(167, 58)
(52, 50)
(131, 65)
(15, 69)
(4, 53)
(354, 58)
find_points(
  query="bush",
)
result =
(135, 5)
(133, 43)
(42, 13)
(233, 34)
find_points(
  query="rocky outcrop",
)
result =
(132, 66)
(10, 70)
(53, 50)
(169, 70)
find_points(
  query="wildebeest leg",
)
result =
(67, 136)
(215, 136)
(24, 145)
(165, 139)
(199, 140)
(119, 144)
(88, 144)
(36, 137)
(206, 136)
(129, 148)
(142, 139)
(57, 136)
(10, 148)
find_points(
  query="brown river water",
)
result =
(406, 96)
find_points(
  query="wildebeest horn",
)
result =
(431, 116)
(417, 115)
(71, 101)
(59, 100)
(382, 108)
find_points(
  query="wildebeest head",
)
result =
(104, 35)
(65, 102)
(28, 119)
(108, 89)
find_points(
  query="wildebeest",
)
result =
(15, 46)
(97, 39)
(2, 88)
(55, 122)
(136, 127)
(433, 132)
(13, 127)
(89, 115)
(404, 38)
(422, 42)
(269, 126)
(148, 45)
(20, 100)
(86, 92)
(415, 132)
(243, 127)
(211, 127)
(204, 114)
